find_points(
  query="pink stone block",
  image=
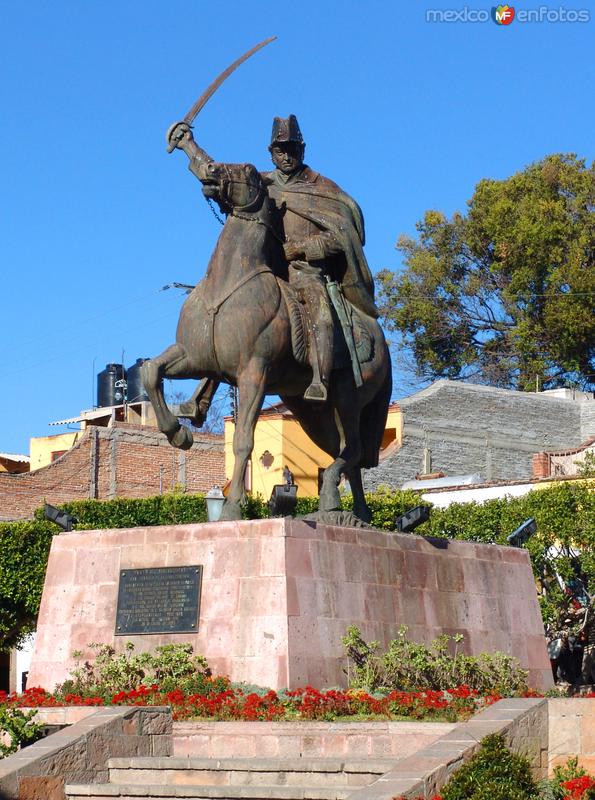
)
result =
(348, 601)
(411, 607)
(228, 747)
(450, 575)
(278, 595)
(327, 560)
(298, 560)
(343, 535)
(420, 570)
(396, 568)
(333, 746)
(220, 599)
(262, 595)
(216, 634)
(62, 565)
(92, 563)
(358, 745)
(272, 557)
(266, 746)
(139, 556)
(261, 637)
(313, 598)
(482, 577)
(379, 602)
(241, 559)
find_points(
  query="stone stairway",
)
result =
(151, 778)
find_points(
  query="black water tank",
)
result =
(108, 393)
(135, 391)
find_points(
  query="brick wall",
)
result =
(122, 461)
(470, 428)
(562, 462)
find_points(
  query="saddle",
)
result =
(301, 331)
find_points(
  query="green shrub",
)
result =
(493, 773)
(409, 666)
(18, 727)
(172, 666)
(24, 550)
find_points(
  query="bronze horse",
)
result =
(236, 326)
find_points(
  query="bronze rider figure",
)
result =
(324, 236)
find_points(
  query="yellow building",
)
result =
(279, 441)
(45, 449)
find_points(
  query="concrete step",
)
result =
(103, 791)
(175, 771)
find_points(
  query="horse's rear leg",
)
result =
(347, 413)
(251, 385)
(172, 363)
(197, 407)
(360, 508)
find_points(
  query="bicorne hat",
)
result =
(286, 130)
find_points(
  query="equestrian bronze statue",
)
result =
(286, 308)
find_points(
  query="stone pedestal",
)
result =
(278, 595)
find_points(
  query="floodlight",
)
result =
(409, 521)
(522, 534)
(283, 500)
(61, 518)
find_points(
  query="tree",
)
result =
(506, 293)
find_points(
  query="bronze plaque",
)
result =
(159, 600)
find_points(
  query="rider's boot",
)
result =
(321, 355)
(197, 407)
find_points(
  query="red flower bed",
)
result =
(307, 703)
(579, 788)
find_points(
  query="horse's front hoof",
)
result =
(182, 438)
(330, 500)
(230, 512)
(363, 513)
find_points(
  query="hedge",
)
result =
(24, 550)
(565, 514)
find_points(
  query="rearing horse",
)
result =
(235, 326)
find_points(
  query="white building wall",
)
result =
(478, 494)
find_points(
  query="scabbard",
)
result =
(337, 299)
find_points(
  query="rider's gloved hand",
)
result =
(293, 251)
(179, 135)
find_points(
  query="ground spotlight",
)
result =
(61, 518)
(409, 521)
(523, 533)
(283, 500)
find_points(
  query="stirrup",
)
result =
(316, 392)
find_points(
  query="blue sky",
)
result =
(95, 216)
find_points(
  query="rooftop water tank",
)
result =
(111, 386)
(135, 391)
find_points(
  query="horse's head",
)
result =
(231, 185)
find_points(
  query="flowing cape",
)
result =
(335, 211)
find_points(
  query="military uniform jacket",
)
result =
(329, 224)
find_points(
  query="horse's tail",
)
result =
(373, 420)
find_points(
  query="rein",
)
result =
(256, 218)
(212, 310)
(248, 213)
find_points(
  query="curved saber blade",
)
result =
(208, 93)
